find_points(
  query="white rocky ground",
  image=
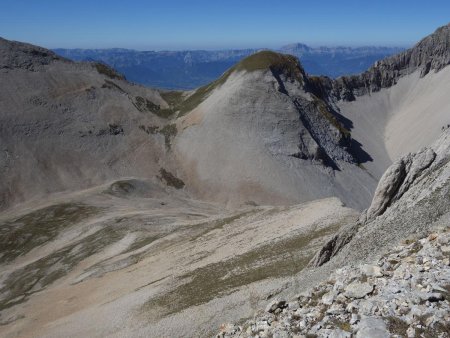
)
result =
(405, 294)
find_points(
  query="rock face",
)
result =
(408, 297)
(335, 244)
(430, 54)
(398, 179)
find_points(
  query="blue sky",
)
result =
(156, 25)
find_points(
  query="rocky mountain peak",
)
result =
(432, 53)
(22, 55)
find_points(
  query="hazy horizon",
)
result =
(203, 25)
(237, 48)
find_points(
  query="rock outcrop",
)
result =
(398, 179)
(395, 183)
(430, 54)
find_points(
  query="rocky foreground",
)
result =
(405, 294)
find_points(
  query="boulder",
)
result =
(371, 327)
(358, 290)
(397, 179)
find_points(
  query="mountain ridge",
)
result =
(190, 69)
(431, 53)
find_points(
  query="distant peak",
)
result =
(297, 47)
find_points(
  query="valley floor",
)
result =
(113, 261)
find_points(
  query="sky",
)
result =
(219, 24)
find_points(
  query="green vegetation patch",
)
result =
(140, 243)
(111, 85)
(207, 227)
(170, 179)
(19, 236)
(345, 326)
(282, 63)
(143, 105)
(169, 131)
(273, 260)
(397, 326)
(149, 129)
(108, 71)
(325, 111)
(36, 276)
(184, 106)
(174, 100)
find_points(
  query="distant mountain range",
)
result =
(191, 69)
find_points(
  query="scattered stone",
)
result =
(405, 292)
(338, 333)
(328, 298)
(371, 270)
(371, 327)
(358, 290)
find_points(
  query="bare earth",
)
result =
(133, 266)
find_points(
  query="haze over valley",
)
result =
(195, 68)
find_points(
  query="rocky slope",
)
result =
(405, 294)
(404, 291)
(158, 262)
(260, 132)
(67, 126)
(124, 202)
(265, 132)
(386, 121)
(417, 182)
(81, 124)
